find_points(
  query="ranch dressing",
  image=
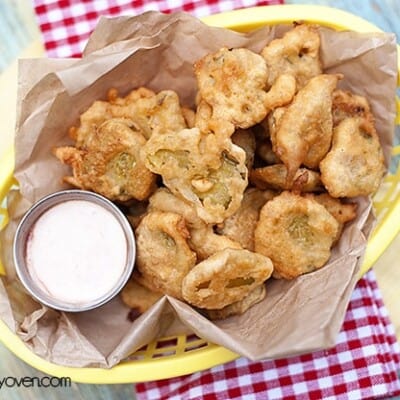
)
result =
(76, 252)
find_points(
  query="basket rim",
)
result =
(212, 355)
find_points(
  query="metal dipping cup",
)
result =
(27, 224)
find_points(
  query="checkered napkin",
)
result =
(67, 24)
(364, 365)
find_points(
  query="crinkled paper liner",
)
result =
(158, 51)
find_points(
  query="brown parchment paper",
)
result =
(158, 51)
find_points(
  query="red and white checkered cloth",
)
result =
(364, 365)
(67, 24)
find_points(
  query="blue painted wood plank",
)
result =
(385, 14)
(17, 29)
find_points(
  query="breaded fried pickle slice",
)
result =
(205, 242)
(225, 278)
(245, 139)
(346, 104)
(233, 83)
(296, 233)
(241, 225)
(208, 124)
(138, 297)
(164, 200)
(201, 170)
(149, 111)
(275, 177)
(239, 307)
(304, 131)
(163, 255)
(355, 164)
(161, 113)
(110, 163)
(281, 92)
(296, 53)
(342, 212)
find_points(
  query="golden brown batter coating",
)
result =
(205, 242)
(342, 212)
(110, 163)
(348, 105)
(245, 139)
(304, 131)
(296, 53)
(296, 233)
(148, 111)
(275, 177)
(163, 255)
(355, 164)
(239, 307)
(233, 82)
(225, 278)
(164, 200)
(200, 169)
(241, 225)
(138, 297)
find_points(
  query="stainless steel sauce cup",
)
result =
(27, 224)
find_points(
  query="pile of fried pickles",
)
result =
(255, 183)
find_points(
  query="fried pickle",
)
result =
(304, 131)
(296, 53)
(201, 170)
(185, 153)
(241, 225)
(163, 254)
(205, 242)
(239, 307)
(138, 297)
(281, 92)
(133, 96)
(275, 177)
(272, 123)
(355, 164)
(225, 278)
(207, 237)
(161, 113)
(346, 104)
(110, 163)
(233, 82)
(146, 110)
(296, 233)
(207, 124)
(245, 139)
(164, 200)
(342, 212)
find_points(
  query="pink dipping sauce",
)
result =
(76, 252)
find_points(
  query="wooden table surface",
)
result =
(20, 37)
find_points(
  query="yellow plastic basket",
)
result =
(180, 355)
